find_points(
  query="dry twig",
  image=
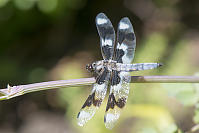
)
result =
(14, 91)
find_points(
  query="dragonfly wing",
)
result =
(117, 98)
(124, 53)
(126, 42)
(107, 35)
(95, 99)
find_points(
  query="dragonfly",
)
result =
(113, 71)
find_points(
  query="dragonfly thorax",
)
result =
(97, 66)
(110, 64)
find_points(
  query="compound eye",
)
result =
(94, 64)
(87, 66)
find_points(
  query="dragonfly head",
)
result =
(89, 67)
(93, 66)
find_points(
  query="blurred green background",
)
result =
(42, 40)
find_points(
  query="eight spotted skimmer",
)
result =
(114, 70)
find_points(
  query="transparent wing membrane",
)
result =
(107, 35)
(95, 99)
(126, 42)
(124, 53)
(117, 98)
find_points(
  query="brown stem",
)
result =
(14, 91)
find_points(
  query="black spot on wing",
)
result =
(108, 51)
(112, 102)
(104, 119)
(91, 100)
(120, 36)
(88, 102)
(102, 77)
(130, 36)
(121, 102)
(106, 31)
(125, 37)
(78, 115)
(115, 79)
(119, 53)
(97, 102)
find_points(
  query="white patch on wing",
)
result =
(101, 21)
(122, 89)
(84, 116)
(100, 90)
(123, 25)
(117, 87)
(111, 118)
(108, 42)
(126, 59)
(99, 87)
(87, 113)
(123, 47)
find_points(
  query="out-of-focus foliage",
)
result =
(44, 40)
(196, 116)
(196, 90)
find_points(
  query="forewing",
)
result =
(126, 42)
(95, 99)
(107, 35)
(117, 98)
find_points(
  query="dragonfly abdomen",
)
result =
(137, 66)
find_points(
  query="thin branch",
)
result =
(14, 91)
(164, 79)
